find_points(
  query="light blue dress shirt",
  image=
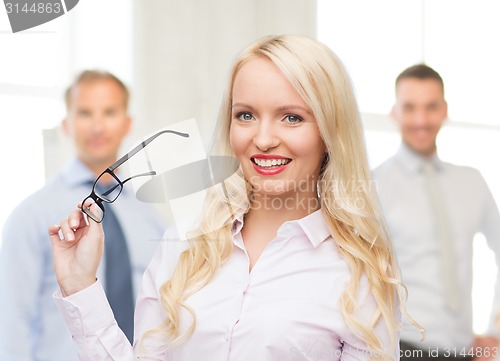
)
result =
(408, 211)
(31, 328)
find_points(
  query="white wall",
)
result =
(173, 54)
(183, 50)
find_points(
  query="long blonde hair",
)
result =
(348, 200)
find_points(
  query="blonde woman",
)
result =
(289, 262)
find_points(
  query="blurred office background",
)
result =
(175, 55)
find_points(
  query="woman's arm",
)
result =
(85, 308)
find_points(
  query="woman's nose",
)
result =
(266, 136)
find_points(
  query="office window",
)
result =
(35, 67)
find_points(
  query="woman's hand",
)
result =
(78, 252)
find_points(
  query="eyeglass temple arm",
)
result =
(126, 180)
(139, 175)
(142, 145)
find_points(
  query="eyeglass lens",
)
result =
(93, 210)
(107, 188)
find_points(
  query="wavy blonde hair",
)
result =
(348, 200)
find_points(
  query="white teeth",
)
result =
(270, 162)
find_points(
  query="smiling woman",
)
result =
(273, 130)
(287, 259)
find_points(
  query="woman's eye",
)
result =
(245, 116)
(293, 119)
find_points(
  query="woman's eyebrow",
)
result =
(294, 107)
(243, 105)
(280, 109)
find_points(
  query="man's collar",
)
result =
(413, 161)
(75, 173)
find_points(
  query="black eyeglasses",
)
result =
(107, 187)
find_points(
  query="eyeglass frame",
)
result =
(98, 199)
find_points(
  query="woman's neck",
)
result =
(267, 214)
(273, 211)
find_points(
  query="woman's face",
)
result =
(273, 132)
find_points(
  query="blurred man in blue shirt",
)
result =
(31, 328)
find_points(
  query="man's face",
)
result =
(97, 121)
(420, 111)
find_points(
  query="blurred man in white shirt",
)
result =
(433, 210)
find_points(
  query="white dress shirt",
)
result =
(408, 212)
(31, 328)
(285, 308)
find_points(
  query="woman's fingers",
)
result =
(67, 231)
(77, 244)
(54, 230)
(76, 226)
(76, 219)
(67, 228)
(54, 233)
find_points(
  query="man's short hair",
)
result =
(95, 75)
(422, 72)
